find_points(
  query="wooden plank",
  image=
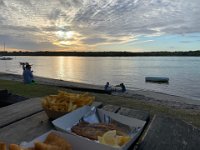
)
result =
(139, 114)
(17, 111)
(111, 108)
(26, 129)
(167, 133)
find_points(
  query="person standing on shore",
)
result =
(27, 73)
(107, 87)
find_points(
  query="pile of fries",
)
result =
(66, 102)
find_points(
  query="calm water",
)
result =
(184, 72)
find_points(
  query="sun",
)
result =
(67, 38)
(65, 35)
(69, 34)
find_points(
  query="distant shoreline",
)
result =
(105, 54)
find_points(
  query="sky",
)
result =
(100, 25)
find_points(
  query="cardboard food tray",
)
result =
(66, 122)
(77, 143)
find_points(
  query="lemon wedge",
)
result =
(121, 140)
(111, 138)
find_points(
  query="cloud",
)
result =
(137, 41)
(28, 44)
(55, 28)
(2, 4)
(185, 42)
(95, 21)
(20, 28)
(92, 41)
(54, 15)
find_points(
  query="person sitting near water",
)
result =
(123, 88)
(107, 87)
(27, 73)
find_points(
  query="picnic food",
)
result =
(2, 146)
(52, 142)
(17, 147)
(111, 138)
(66, 102)
(92, 131)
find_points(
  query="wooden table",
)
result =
(26, 120)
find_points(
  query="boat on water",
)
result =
(5, 58)
(157, 79)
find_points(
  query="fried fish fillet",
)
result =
(52, 142)
(43, 146)
(92, 131)
(55, 140)
(17, 147)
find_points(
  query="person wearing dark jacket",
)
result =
(123, 87)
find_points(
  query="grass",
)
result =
(37, 90)
(28, 90)
(190, 116)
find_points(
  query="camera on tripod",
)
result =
(24, 63)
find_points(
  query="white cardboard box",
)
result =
(76, 142)
(66, 122)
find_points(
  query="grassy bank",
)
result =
(37, 90)
(27, 90)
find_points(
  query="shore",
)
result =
(153, 102)
(139, 94)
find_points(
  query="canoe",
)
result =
(157, 79)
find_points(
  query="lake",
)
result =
(183, 72)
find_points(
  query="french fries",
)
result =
(66, 102)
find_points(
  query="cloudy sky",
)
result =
(100, 25)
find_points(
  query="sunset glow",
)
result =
(65, 35)
(112, 25)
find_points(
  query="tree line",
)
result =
(100, 54)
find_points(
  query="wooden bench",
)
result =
(139, 114)
(167, 133)
(18, 111)
(26, 120)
